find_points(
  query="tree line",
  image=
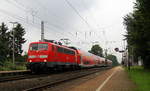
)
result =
(97, 50)
(137, 35)
(6, 42)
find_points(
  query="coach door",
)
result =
(81, 60)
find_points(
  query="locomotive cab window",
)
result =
(35, 47)
(42, 46)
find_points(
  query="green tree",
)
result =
(19, 32)
(137, 26)
(4, 42)
(113, 58)
(97, 50)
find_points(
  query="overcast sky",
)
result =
(82, 21)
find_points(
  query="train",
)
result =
(49, 55)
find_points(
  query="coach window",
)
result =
(86, 62)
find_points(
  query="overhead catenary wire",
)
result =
(16, 5)
(21, 18)
(25, 9)
(76, 11)
(90, 13)
(91, 16)
(84, 20)
(40, 18)
(53, 14)
(36, 25)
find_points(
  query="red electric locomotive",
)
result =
(46, 55)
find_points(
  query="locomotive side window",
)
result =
(72, 52)
(35, 47)
(66, 51)
(59, 49)
(69, 51)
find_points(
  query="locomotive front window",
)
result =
(35, 47)
(42, 46)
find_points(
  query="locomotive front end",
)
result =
(37, 56)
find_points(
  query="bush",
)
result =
(8, 65)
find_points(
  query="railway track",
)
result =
(26, 75)
(20, 77)
(65, 78)
(13, 73)
(39, 82)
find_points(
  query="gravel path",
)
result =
(114, 79)
(119, 82)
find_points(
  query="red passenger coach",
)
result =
(90, 60)
(86, 59)
(109, 63)
(46, 55)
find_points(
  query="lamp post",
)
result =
(13, 40)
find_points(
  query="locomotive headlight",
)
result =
(30, 61)
(43, 56)
(32, 56)
(45, 60)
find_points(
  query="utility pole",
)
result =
(42, 30)
(105, 56)
(13, 40)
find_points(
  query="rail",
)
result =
(12, 73)
(63, 79)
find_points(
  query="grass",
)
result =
(8, 66)
(140, 77)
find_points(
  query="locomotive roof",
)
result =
(54, 44)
